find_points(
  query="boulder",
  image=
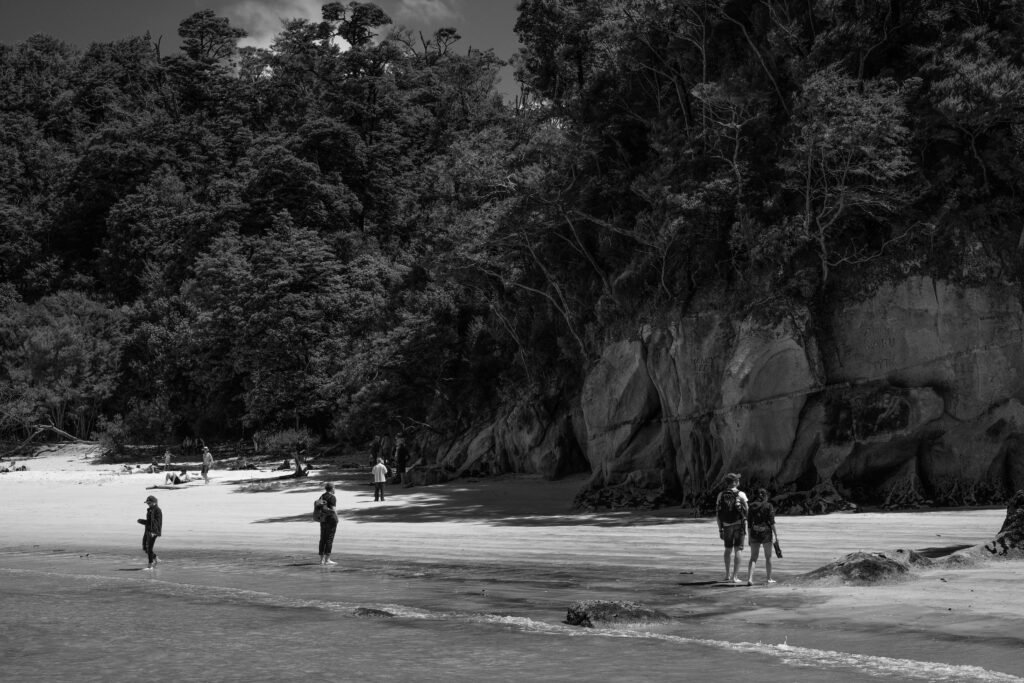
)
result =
(764, 390)
(862, 568)
(594, 613)
(921, 332)
(1009, 542)
(618, 402)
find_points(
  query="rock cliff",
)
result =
(910, 395)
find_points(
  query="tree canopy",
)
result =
(352, 229)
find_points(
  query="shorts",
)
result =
(733, 536)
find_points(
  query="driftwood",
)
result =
(41, 429)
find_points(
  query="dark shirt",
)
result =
(762, 514)
(330, 515)
(155, 520)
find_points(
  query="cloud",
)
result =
(427, 12)
(264, 19)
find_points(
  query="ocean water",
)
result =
(204, 617)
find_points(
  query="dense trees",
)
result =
(351, 228)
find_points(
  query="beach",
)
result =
(470, 580)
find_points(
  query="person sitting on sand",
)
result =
(731, 511)
(179, 478)
(761, 525)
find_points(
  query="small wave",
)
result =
(906, 669)
(803, 657)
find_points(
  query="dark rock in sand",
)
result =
(591, 613)
(371, 612)
(865, 568)
(1010, 539)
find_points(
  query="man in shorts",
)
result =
(731, 511)
(207, 464)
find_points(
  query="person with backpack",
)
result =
(731, 511)
(328, 517)
(761, 524)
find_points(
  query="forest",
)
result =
(352, 233)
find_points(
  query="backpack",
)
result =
(760, 520)
(730, 510)
(318, 510)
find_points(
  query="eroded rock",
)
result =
(594, 613)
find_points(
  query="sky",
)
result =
(481, 23)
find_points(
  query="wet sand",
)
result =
(513, 546)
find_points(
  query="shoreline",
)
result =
(512, 546)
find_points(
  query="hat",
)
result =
(150, 498)
(329, 487)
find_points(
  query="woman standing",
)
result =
(154, 523)
(761, 530)
(328, 524)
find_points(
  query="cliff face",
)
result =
(913, 393)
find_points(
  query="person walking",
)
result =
(207, 464)
(731, 512)
(153, 523)
(380, 475)
(328, 524)
(761, 525)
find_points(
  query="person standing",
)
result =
(401, 458)
(154, 523)
(761, 525)
(731, 511)
(328, 524)
(167, 459)
(380, 475)
(207, 464)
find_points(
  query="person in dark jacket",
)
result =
(154, 523)
(328, 524)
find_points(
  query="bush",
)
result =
(286, 441)
(112, 434)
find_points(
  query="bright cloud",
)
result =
(264, 19)
(429, 12)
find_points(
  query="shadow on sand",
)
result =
(524, 501)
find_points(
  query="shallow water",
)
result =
(206, 617)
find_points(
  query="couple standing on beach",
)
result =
(735, 518)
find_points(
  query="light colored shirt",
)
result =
(380, 473)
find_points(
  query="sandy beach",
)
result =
(512, 546)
